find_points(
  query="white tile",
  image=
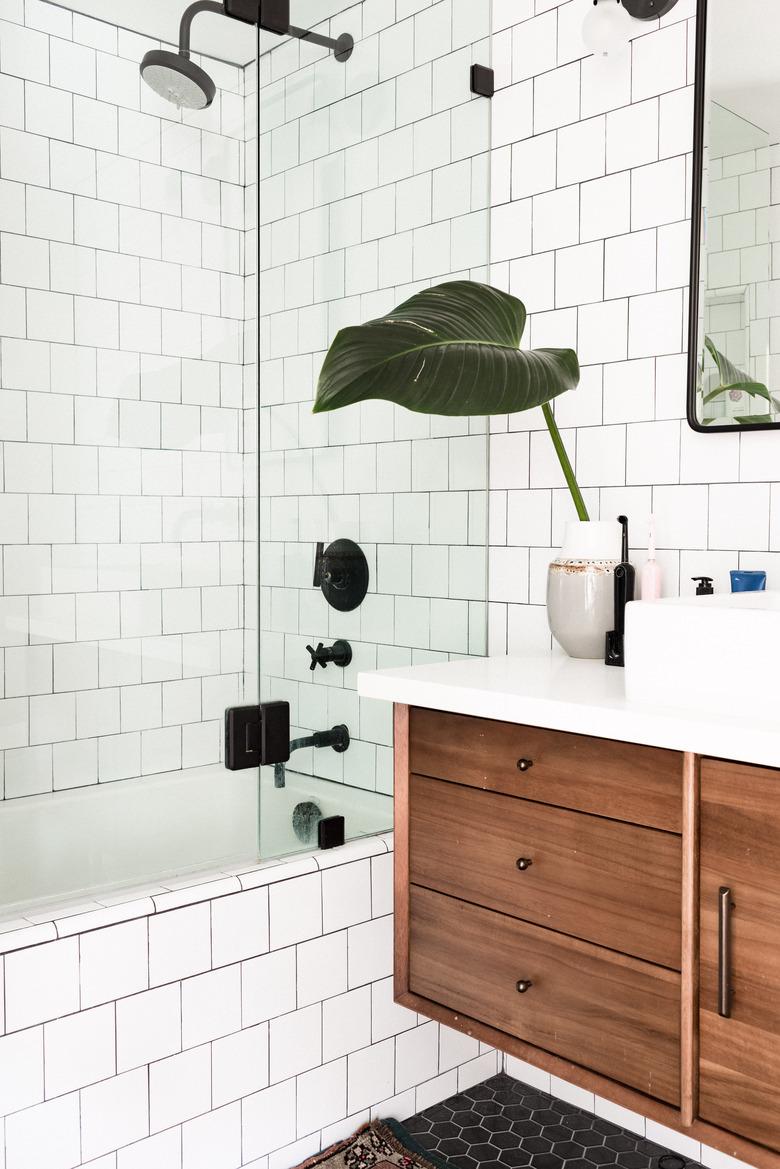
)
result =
(45, 1137)
(346, 1023)
(653, 452)
(321, 1097)
(714, 1159)
(239, 1064)
(162, 1151)
(295, 910)
(179, 1088)
(179, 943)
(322, 968)
(526, 1073)
(370, 1075)
(387, 1017)
(79, 1050)
(669, 1139)
(21, 1070)
(477, 1070)
(346, 895)
(114, 962)
(455, 1048)
(572, 1094)
(239, 926)
(416, 1056)
(370, 951)
(210, 1005)
(41, 983)
(268, 986)
(148, 1026)
(739, 516)
(114, 1113)
(213, 1141)
(269, 1120)
(295, 1043)
(622, 1117)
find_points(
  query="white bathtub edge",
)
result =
(65, 920)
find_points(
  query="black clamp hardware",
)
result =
(257, 735)
(483, 81)
(340, 653)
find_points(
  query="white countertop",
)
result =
(566, 694)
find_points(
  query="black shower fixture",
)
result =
(176, 78)
(341, 571)
(642, 9)
(340, 653)
(648, 9)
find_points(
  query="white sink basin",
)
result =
(719, 653)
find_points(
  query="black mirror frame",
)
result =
(699, 112)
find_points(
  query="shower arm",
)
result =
(315, 38)
(189, 15)
(341, 46)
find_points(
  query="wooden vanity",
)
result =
(607, 911)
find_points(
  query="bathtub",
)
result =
(65, 846)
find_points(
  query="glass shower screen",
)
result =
(373, 184)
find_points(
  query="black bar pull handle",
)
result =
(725, 906)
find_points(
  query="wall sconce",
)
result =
(607, 28)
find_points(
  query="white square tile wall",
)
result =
(591, 168)
(374, 183)
(128, 415)
(193, 1038)
(122, 275)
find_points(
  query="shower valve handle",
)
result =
(340, 653)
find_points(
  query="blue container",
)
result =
(747, 582)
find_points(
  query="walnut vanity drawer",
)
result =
(613, 1014)
(623, 781)
(611, 883)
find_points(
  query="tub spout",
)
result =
(337, 738)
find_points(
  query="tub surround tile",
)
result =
(179, 943)
(114, 962)
(41, 983)
(188, 894)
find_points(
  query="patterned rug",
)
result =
(382, 1144)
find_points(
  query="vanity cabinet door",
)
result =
(739, 1088)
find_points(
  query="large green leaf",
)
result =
(732, 378)
(453, 350)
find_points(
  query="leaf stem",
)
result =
(566, 467)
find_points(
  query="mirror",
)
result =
(734, 337)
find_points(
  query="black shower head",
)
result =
(178, 79)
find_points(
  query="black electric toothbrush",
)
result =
(625, 580)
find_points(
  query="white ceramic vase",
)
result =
(581, 587)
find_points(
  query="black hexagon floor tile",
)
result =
(503, 1124)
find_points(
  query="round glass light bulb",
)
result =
(606, 29)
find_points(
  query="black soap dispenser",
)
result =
(703, 586)
(625, 581)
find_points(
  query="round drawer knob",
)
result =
(524, 764)
(524, 985)
(523, 863)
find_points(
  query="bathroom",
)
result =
(205, 948)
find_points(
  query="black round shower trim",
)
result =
(341, 571)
